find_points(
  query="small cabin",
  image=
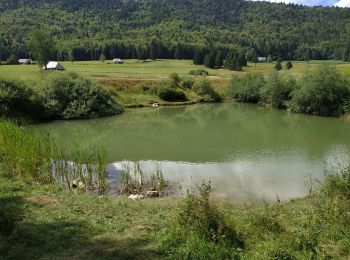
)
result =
(262, 59)
(54, 65)
(118, 61)
(25, 61)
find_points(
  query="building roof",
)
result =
(54, 65)
(24, 60)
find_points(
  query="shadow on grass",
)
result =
(25, 238)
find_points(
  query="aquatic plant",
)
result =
(35, 159)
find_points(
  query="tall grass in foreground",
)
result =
(316, 227)
(35, 159)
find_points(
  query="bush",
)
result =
(277, 91)
(167, 92)
(247, 89)
(204, 89)
(175, 80)
(70, 96)
(201, 230)
(199, 72)
(187, 82)
(16, 99)
(322, 92)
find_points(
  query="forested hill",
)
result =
(85, 28)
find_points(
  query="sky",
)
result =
(340, 3)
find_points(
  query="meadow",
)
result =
(157, 70)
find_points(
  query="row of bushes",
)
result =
(64, 96)
(175, 89)
(321, 92)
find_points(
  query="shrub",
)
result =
(278, 65)
(338, 184)
(167, 92)
(16, 99)
(199, 72)
(70, 96)
(204, 89)
(277, 91)
(170, 94)
(247, 89)
(322, 92)
(289, 65)
(187, 82)
(12, 60)
(175, 80)
(201, 230)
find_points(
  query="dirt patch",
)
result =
(126, 84)
(42, 200)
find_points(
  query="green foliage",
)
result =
(42, 46)
(289, 65)
(219, 59)
(70, 96)
(166, 91)
(346, 54)
(268, 218)
(244, 23)
(201, 231)
(277, 91)
(103, 58)
(187, 82)
(12, 60)
(322, 92)
(16, 99)
(198, 57)
(209, 60)
(247, 88)
(199, 72)
(204, 89)
(278, 66)
(175, 80)
(338, 184)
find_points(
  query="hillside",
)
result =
(85, 28)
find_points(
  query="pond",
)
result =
(248, 152)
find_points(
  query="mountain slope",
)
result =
(289, 31)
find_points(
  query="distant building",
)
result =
(54, 65)
(25, 61)
(262, 59)
(118, 61)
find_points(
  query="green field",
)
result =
(124, 77)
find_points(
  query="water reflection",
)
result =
(248, 152)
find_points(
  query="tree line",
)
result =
(173, 29)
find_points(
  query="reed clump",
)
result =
(39, 160)
(135, 181)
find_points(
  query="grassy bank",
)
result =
(42, 219)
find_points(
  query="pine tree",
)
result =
(219, 59)
(209, 60)
(198, 56)
(255, 59)
(346, 55)
(103, 58)
(179, 52)
(153, 50)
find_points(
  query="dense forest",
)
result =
(143, 29)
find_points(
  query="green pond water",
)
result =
(248, 152)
